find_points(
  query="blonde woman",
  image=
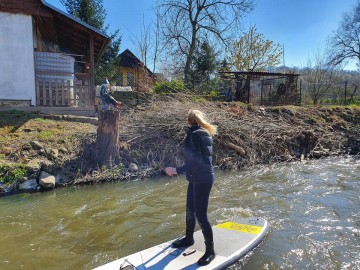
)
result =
(200, 174)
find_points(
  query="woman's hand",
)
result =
(170, 171)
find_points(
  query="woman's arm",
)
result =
(195, 148)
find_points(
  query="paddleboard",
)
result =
(232, 240)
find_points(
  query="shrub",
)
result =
(214, 94)
(9, 175)
(39, 120)
(169, 87)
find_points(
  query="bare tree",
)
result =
(352, 79)
(147, 44)
(321, 76)
(345, 42)
(252, 52)
(187, 23)
(156, 40)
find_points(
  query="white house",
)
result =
(17, 77)
(47, 57)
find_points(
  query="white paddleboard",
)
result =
(232, 240)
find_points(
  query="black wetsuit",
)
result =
(200, 174)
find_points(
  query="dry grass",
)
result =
(17, 129)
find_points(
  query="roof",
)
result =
(74, 19)
(75, 33)
(128, 59)
(70, 32)
(257, 74)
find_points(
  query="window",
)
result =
(120, 80)
(130, 79)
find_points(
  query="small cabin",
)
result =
(133, 73)
(48, 56)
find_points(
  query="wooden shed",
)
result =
(134, 73)
(50, 56)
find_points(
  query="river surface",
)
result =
(313, 209)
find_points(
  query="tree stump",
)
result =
(107, 141)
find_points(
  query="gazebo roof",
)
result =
(254, 74)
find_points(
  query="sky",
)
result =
(302, 27)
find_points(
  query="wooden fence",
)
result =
(63, 93)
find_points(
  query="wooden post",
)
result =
(92, 71)
(37, 92)
(107, 141)
(345, 102)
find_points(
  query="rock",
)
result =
(5, 189)
(289, 111)
(52, 153)
(61, 179)
(63, 150)
(133, 167)
(46, 180)
(262, 111)
(26, 147)
(36, 145)
(34, 165)
(28, 184)
(95, 173)
(316, 154)
(6, 150)
(47, 165)
(133, 102)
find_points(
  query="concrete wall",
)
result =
(17, 78)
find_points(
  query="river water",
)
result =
(313, 208)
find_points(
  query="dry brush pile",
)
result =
(151, 135)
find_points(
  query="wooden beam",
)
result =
(92, 70)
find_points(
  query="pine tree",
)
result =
(93, 13)
(204, 66)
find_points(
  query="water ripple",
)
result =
(312, 208)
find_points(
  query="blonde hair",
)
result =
(196, 117)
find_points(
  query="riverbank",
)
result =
(35, 147)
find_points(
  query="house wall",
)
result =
(17, 78)
(141, 79)
(125, 71)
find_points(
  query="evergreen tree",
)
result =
(93, 13)
(89, 11)
(224, 65)
(204, 66)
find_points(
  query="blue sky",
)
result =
(301, 26)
